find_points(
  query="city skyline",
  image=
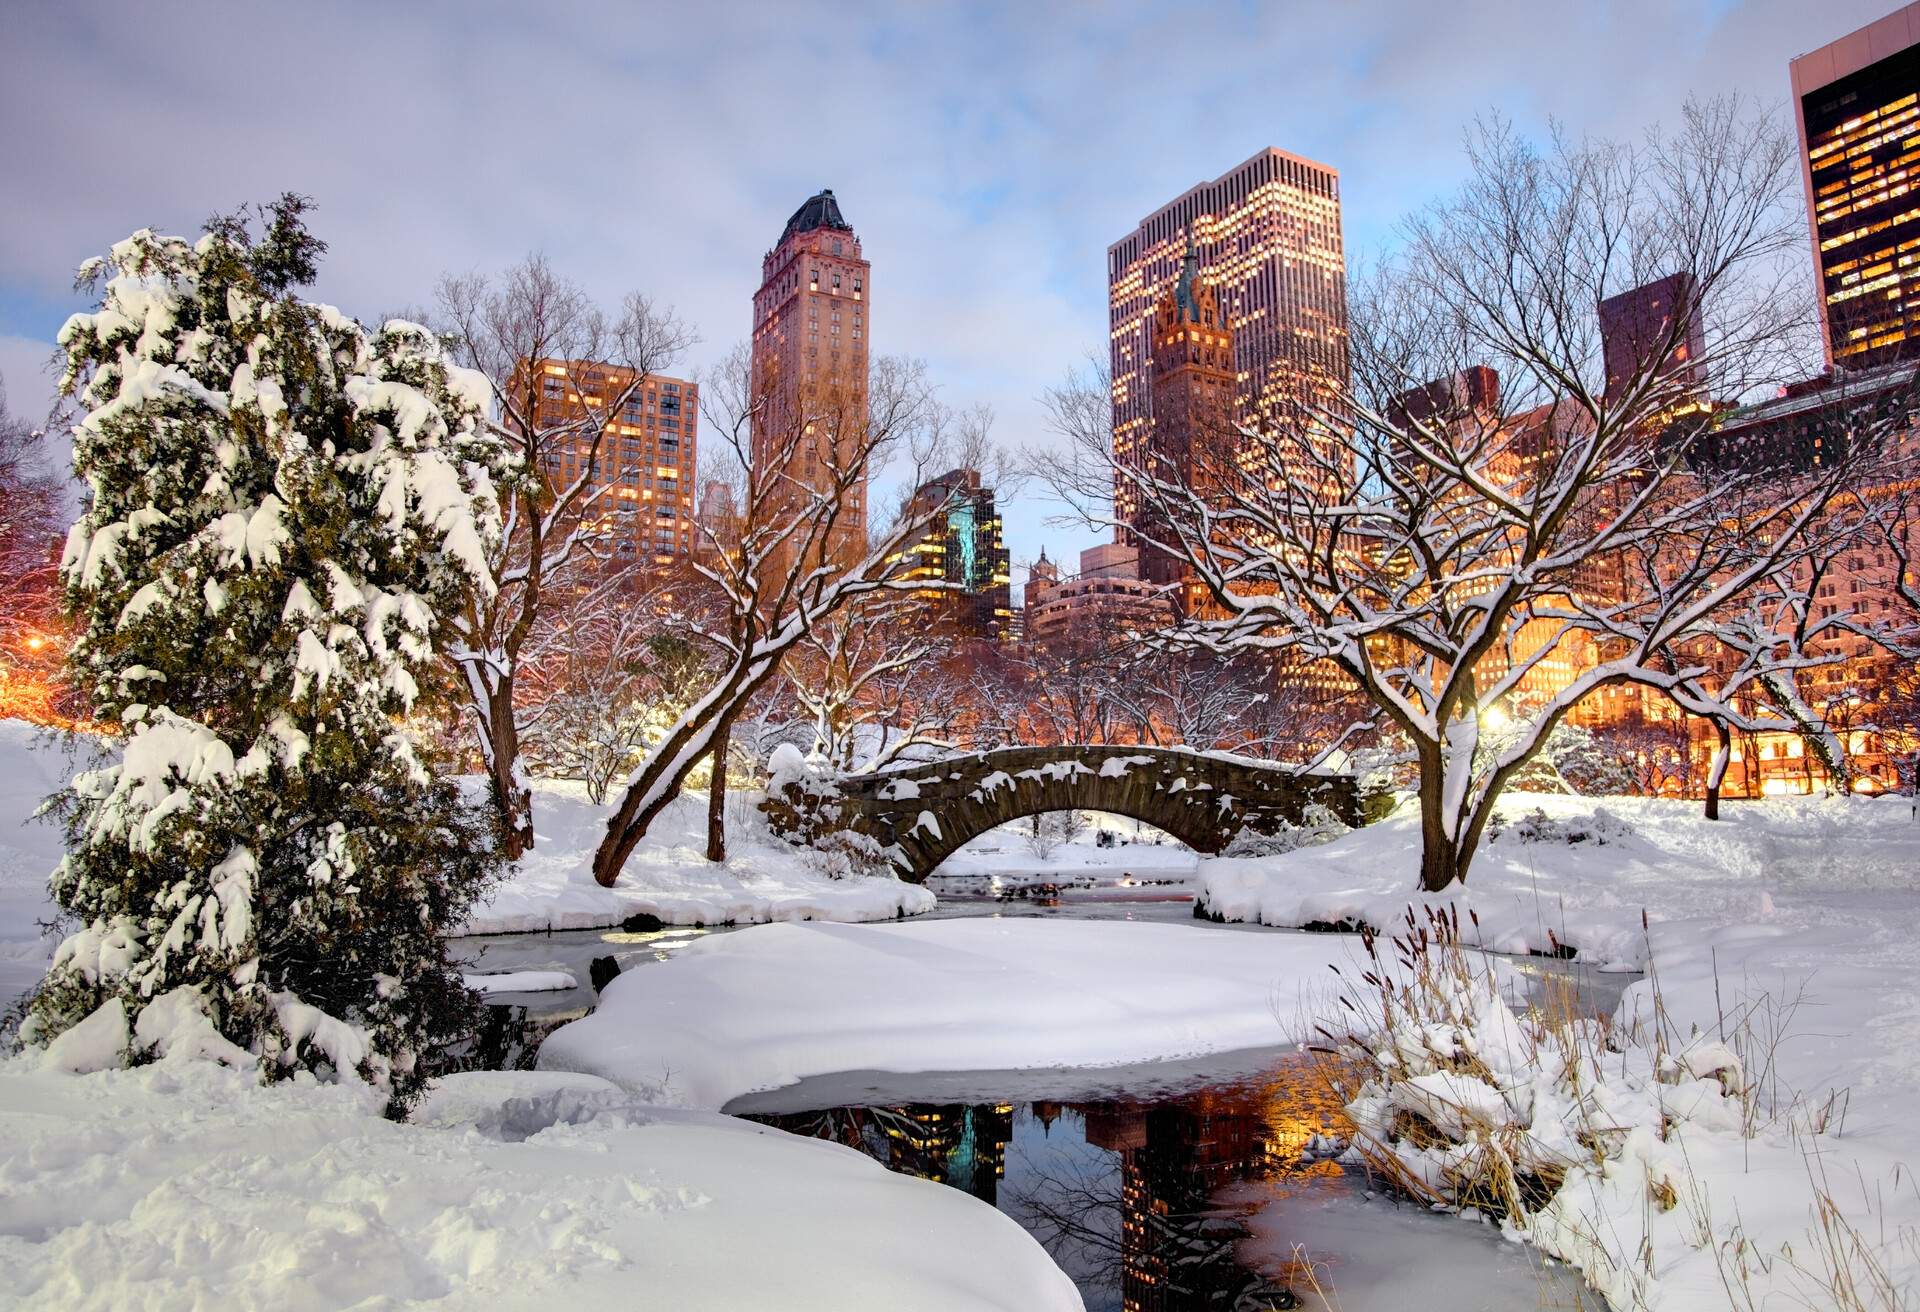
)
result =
(988, 191)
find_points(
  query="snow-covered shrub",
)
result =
(1600, 828)
(1318, 824)
(1587, 1138)
(846, 854)
(281, 506)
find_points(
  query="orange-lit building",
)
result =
(812, 327)
(1266, 238)
(1194, 390)
(640, 505)
(1104, 602)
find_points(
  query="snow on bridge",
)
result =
(923, 813)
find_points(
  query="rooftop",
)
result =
(821, 210)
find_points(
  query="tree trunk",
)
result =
(1717, 771)
(1439, 857)
(717, 794)
(512, 800)
(1439, 863)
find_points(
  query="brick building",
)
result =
(641, 501)
(812, 327)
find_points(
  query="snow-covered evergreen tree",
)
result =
(282, 506)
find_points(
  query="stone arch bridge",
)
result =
(919, 815)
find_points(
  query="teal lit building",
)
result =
(966, 552)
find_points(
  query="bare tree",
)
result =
(610, 678)
(562, 373)
(795, 551)
(877, 683)
(1461, 553)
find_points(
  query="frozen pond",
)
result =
(1162, 1187)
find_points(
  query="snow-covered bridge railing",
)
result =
(919, 815)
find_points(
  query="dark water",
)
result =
(1179, 1188)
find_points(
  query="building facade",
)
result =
(812, 324)
(1102, 604)
(966, 552)
(1266, 237)
(1660, 318)
(1194, 390)
(1857, 107)
(640, 506)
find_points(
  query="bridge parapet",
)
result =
(919, 815)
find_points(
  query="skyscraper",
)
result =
(1267, 240)
(811, 326)
(1857, 105)
(965, 550)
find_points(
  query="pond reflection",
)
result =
(1122, 1191)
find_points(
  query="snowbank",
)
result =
(185, 1184)
(741, 1013)
(1776, 860)
(669, 876)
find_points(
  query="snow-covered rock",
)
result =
(768, 1006)
(522, 981)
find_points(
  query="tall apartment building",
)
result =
(1858, 112)
(644, 468)
(966, 551)
(811, 330)
(1267, 240)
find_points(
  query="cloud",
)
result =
(987, 154)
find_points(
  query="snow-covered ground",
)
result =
(669, 876)
(775, 1004)
(1788, 929)
(33, 765)
(184, 1185)
(1791, 863)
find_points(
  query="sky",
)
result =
(986, 154)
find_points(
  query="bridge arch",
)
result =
(920, 815)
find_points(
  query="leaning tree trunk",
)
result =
(512, 799)
(717, 794)
(1717, 771)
